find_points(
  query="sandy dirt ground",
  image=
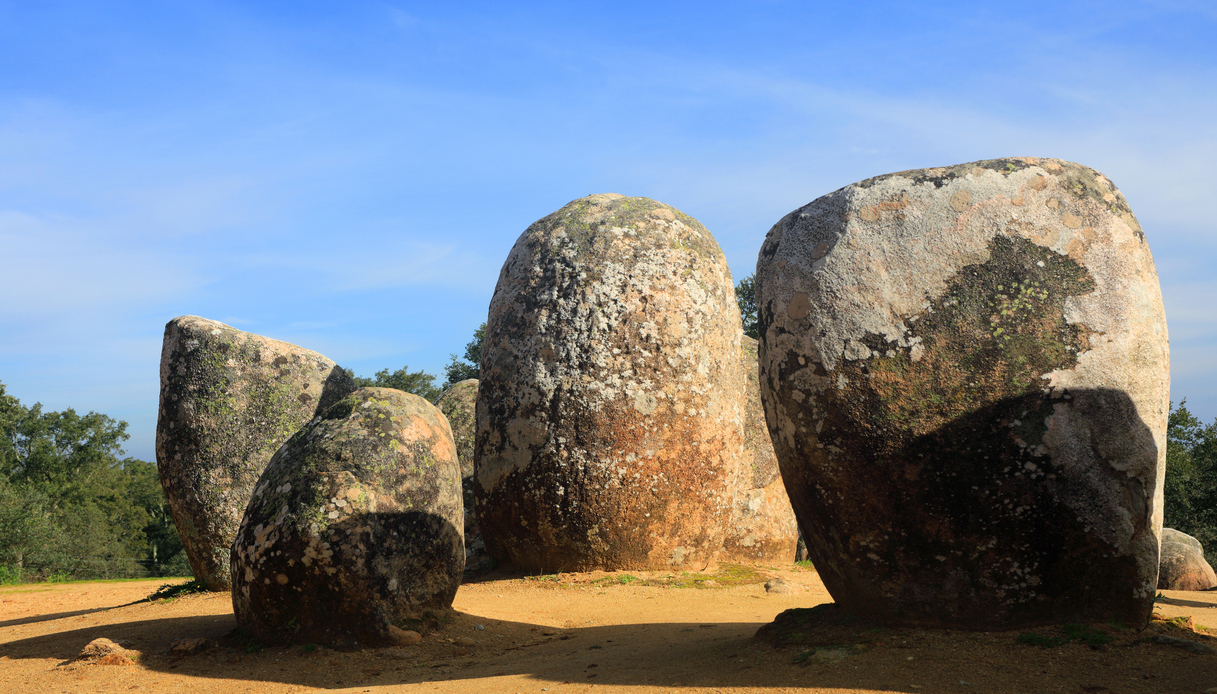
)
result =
(571, 633)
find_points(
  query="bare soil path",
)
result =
(637, 633)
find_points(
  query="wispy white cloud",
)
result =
(61, 266)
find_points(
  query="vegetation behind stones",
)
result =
(71, 507)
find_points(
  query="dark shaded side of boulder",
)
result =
(228, 400)
(355, 527)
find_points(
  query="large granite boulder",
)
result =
(355, 526)
(610, 407)
(965, 374)
(762, 526)
(229, 399)
(458, 402)
(1182, 565)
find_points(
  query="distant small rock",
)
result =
(778, 586)
(1182, 565)
(103, 651)
(189, 646)
(405, 637)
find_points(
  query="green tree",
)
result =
(69, 504)
(26, 528)
(1190, 491)
(459, 370)
(745, 296)
(419, 383)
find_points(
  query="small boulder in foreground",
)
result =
(354, 528)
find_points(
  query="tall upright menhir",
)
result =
(965, 374)
(611, 401)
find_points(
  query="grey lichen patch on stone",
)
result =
(947, 377)
(355, 525)
(228, 400)
(610, 405)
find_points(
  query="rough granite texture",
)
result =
(965, 375)
(762, 527)
(610, 408)
(355, 526)
(459, 405)
(1182, 565)
(228, 400)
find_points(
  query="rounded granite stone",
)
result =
(459, 404)
(965, 374)
(762, 526)
(355, 527)
(610, 407)
(1182, 565)
(228, 400)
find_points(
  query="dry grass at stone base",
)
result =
(590, 632)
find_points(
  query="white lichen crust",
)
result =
(610, 406)
(355, 527)
(965, 375)
(228, 400)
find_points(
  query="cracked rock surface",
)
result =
(965, 372)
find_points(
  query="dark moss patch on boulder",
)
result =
(355, 527)
(228, 400)
(993, 333)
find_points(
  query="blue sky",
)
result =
(350, 176)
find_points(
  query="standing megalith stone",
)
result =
(610, 407)
(229, 399)
(762, 526)
(458, 402)
(1182, 565)
(965, 373)
(355, 526)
